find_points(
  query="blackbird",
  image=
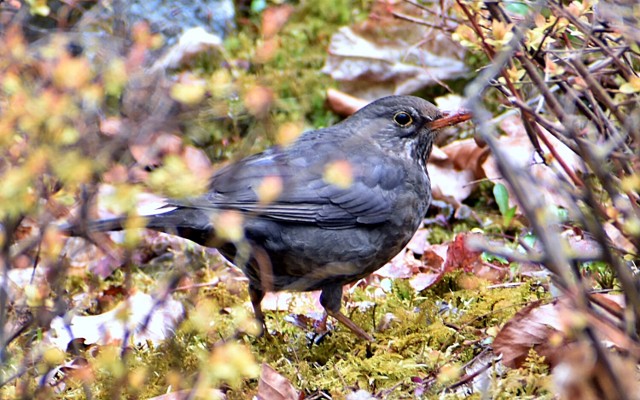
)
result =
(347, 199)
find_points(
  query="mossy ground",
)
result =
(437, 330)
(291, 72)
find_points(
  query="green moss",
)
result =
(532, 380)
(423, 336)
(292, 73)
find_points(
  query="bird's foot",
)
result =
(351, 325)
(320, 326)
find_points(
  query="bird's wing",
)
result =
(305, 195)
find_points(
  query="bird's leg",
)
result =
(256, 294)
(331, 300)
(321, 326)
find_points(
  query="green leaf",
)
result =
(257, 6)
(488, 257)
(561, 213)
(517, 8)
(529, 239)
(508, 217)
(502, 198)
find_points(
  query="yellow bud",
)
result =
(269, 189)
(339, 173)
(228, 225)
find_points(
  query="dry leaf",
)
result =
(466, 155)
(403, 265)
(531, 327)
(212, 394)
(294, 302)
(154, 148)
(273, 386)
(140, 316)
(619, 239)
(422, 281)
(258, 100)
(384, 55)
(581, 375)
(342, 103)
(274, 18)
(455, 168)
(460, 256)
(197, 162)
(546, 328)
(522, 154)
(192, 42)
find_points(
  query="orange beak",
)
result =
(450, 118)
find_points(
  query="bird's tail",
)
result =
(189, 223)
(101, 225)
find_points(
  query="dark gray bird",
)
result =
(347, 199)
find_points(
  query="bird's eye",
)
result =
(403, 119)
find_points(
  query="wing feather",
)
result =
(306, 197)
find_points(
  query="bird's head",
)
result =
(404, 124)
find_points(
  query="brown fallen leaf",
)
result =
(582, 375)
(213, 394)
(466, 155)
(154, 148)
(342, 103)
(384, 55)
(146, 320)
(432, 268)
(423, 280)
(294, 302)
(197, 162)
(548, 329)
(522, 154)
(531, 327)
(454, 170)
(273, 386)
(258, 100)
(618, 238)
(274, 18)
(460, 256)
(449, 184)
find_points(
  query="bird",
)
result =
(345, 200)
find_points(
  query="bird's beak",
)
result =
(450, 118)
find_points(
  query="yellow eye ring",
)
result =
(403, 119)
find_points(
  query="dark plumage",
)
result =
(318, 233)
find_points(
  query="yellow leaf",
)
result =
(633, 86)
(269, 189)
(175, 179)
(258, 100)
(630, 183)
(188, 93)
(552, 68)
(501, 31)
(448, 373)
(339, 173)
(221, 83)
(115, 77)
(39, 7)
(515, 73)
(72, 73)
(232, 362)
(288, 132)
(53, 356)
(137, 377)
(229, 225)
